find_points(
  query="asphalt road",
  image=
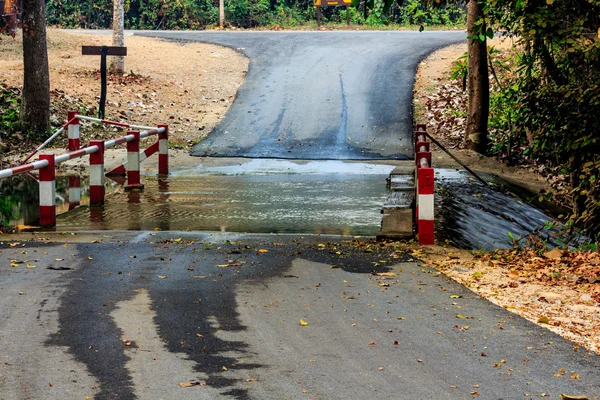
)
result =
(320, 95)
(143, 315)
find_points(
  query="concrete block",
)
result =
(396, 224)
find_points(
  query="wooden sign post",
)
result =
(332, 3)
(103, 51)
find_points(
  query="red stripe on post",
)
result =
(96, 195)
(74, 181)
(133, 163)
(134, 145)
(425, 181)
(47, 174)
(74, 144)
(71, 117)
(426, 233)
(48, 216)
(97, 174)
(47, 192)
(133, 178)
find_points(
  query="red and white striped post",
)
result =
(97, 174)
(73, 131)
(424, 188)
(74, 192)
(425, 210)
(163, 151)
(133, 163)
(47, 187)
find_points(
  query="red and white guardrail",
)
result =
(424, 188)
(47, 165)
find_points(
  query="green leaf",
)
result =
(490, 33)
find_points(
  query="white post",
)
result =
(117, 64)
(221, 13)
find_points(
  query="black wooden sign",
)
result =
(103, 51)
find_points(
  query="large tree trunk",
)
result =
(117, 64)
(35, 107)
(476, 136)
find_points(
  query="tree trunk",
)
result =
(476, 136)
(221, 13)
(117, 64)
(35, 106)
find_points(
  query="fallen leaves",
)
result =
(303, 322)
(543, 320)
(557, 289)
(460, 316)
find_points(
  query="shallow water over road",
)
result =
(282, 196)
(258, 196)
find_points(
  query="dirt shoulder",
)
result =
(188, 86)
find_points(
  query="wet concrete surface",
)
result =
(138, 314)
(320, 95)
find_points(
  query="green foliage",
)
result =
(460, 69)
(549, 106)
(248, 13)
(10, 99)
(6, 213)
(199, 14)
(417, 12)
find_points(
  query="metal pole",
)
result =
(102, 82)
(438, 144)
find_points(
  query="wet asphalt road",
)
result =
(320, 95)
(141, 313)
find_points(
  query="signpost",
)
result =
(103, 51)
(332, 3)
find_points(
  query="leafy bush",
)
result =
(6, 213)
(199, 14)
(552, 102)
(416, 12)
(10, 99)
